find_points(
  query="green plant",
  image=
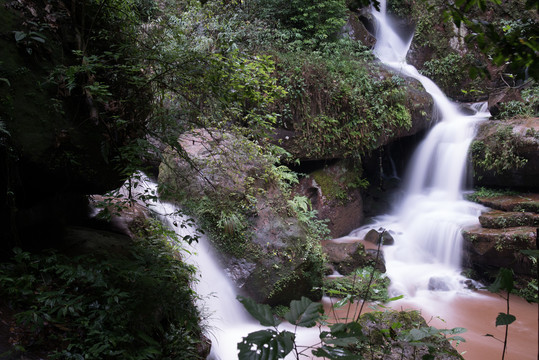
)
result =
(309, 21)
(136, 304)
(354, 286)
(498, 154)
(483, 192)
(448, 72)
(512, 109)
(504, 282)
(371, 336)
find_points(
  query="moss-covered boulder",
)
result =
(505, 153)
(345, 257)
(268, 239)
(489, 249)
(497, 219)
(335, 193)
(405, 335)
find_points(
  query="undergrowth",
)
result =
(137, 305)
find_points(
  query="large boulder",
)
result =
(489, 249)
(506, 153)
(408, 340)
(356, 29)
(346, 257)
(335, 194)
(231, 187)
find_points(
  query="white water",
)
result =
(227, 322)
(427, 223)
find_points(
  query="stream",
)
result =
(424, 264)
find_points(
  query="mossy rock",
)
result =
(497, 219)
(225, 182)
(489, 249)
(524, 202)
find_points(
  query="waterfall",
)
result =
(427, 223)
(226, 321)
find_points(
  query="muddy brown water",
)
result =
(477, 313)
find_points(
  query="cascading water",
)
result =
(227, 321)
(427, 223)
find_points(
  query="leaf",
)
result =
(304, 312)
(260, 312)
(505, 319)
(457, 338)
(6, 81)
(19, 35)
(266, 345)
(503, 281)
(396, 298)
(336, 353)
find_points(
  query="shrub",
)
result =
(133, 306)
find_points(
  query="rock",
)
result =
(373, 237)
(355, 29)
(382, 335)
(347, 257)
(333, 197)
(497, 98)
(271, 258)
(497, 219)
(488, 249)
(524, 202)
(524, 144)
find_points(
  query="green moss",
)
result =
(337, 184)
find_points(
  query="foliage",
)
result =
(498, 154)
(335, 104)
(133, 305)
(367, 338)
(309, 21)
(483, 192)
(512, 109)
(530, 291)
(447, 72)
(356, 285)
(512, 41)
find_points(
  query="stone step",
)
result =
(501, 247)
(498, 219)
(517, 203)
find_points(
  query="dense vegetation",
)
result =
(133, 303)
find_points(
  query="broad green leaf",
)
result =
(304, 312)
(534, 253)
(266, 345)
(395, 298)
(260, 312)
(343, 301)
(503, 281)
(505, 319)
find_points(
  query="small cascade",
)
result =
(427, 223)
(226, 319)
